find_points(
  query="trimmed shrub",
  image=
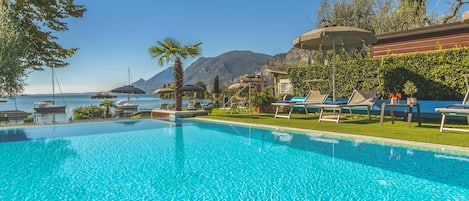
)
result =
(438, 75)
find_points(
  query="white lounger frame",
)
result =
(455, 112)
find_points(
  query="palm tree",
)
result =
(171, 51)
(107, 104)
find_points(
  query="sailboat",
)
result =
(49, 105)
(125, 106)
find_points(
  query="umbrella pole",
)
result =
(333, 68)
(249, 97)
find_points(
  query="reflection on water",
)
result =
(444, 168)
(282, 137)
(51, 118)
(44, 159)
(14, 134)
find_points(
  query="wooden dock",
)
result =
(7, 115)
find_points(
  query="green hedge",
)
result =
(438, 75)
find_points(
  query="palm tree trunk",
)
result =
(178, 82)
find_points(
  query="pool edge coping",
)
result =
(438, 147)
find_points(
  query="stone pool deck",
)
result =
(380, 140)
(172, 115)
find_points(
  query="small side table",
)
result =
(409, 112)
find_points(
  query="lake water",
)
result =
(74, 100)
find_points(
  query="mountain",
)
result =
(283, 60)
(227, 66)
(155, 82)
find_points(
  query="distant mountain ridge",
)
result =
(157, 81)
(227, 66)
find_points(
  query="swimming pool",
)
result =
(192, 160)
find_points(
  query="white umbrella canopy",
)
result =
(327, 38)
(163, 91)
(2, 100)
(240, 85)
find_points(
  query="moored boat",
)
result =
(48, 106)
(126, 105)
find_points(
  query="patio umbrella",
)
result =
(128, 89)
(326, 38)
(103, 95)
(184, 88)
(191, 87)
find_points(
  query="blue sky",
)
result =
(114, 36)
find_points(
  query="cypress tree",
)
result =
(216, 85)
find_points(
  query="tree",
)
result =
(216, 85)
(378, 16)
(171, 51)
(453, 11)
(201, 94)
(11, 51)
(37, 21)
(107, 104)
(408, 14)
(355, 13)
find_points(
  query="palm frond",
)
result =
(155, 51)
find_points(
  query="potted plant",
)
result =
(262, 101)
(410, 89)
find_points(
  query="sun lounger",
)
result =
(455, 110)
(193, 105)
(359, 98)
(314, 97)
(232, 108)
(243, 107)
(281, 104)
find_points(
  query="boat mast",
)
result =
(128, 95)
(129, 75)
(53, 87)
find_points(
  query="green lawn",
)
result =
(429, 131)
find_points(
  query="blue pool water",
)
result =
(190, 160)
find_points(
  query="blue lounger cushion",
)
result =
(336, 103)
(458, 106)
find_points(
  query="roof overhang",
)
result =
(424, 32)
